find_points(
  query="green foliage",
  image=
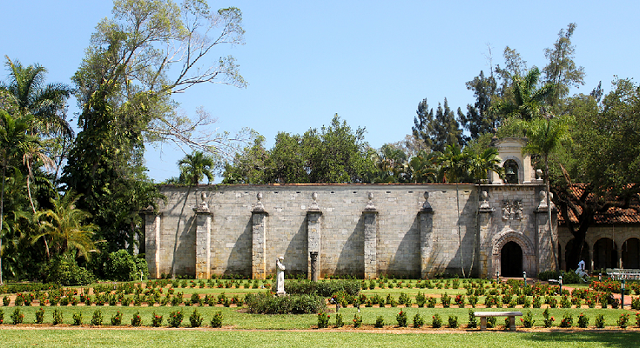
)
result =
(473, 322)
(175, 318)
(623, 320)
(121, 266)
(453, 322)
(323, 288)
(333, 154)
(216, 320)
(96, 319)
(17, 317)
(339, 322)
(40, 316)
(439, 131)
(323, 320)
(436, 321)
(357, 320)
(583, 321)
(77, 318)
(600, 321)
(379, 322)
(156, 320)
(57, 316)
(136, 319)
(65, 271)
(548, 319)
(265, 303)
(401, 318)
(116, 319)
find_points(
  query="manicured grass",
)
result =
(239, 319)
(315, 338)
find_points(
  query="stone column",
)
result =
(152, 241)
(203, 242)
(485, 252)
(258, 241)
(425, 216)
(370, 239)
(313, 255)
(547, 236)
(314, 235)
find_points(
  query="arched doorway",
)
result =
(605, 254)
(511, 260)
(631, 253)
(584, 255)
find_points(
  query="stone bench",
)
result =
(623, 273)
(483, 318)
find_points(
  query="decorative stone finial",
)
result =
(314, 203)
(485, 203)
(426, 206)
(543, 200)
(370, 205)
(259, 207)
(203, 203)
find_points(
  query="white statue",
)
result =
(581, 270)
(280, 276)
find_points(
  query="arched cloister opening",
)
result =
(631, 253)
(605, 254)
(583, 252)
(511, 260)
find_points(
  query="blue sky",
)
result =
(371, 62)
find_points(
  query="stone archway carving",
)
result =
(528, 251)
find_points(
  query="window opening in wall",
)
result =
(511, 171)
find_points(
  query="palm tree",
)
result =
(194, 167)
(65, 225)
(424, 167)
(45, 102)
(14, 141)
(527, 98)
(481, 164)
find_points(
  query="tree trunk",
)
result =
(554, 246)
(4, 168)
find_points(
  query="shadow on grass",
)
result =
(587, 338)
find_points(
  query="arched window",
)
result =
(511, 172)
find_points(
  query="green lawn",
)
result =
(314, 338)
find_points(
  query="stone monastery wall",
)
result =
(361, 230)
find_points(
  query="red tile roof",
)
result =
(613, 215)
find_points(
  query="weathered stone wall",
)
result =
(406, 243)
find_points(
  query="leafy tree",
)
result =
(14, 141)
(392, 165)
(424, 167)
(195, 167)
(480, 118)
(137, 59)
(248, 166)
(561, 71)
(437, 131)
(288, 162)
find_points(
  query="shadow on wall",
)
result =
(184, 243)
(295, 257)
(406, 260)
(351, 259)
(240, 256)
(466, 253)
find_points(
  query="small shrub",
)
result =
(116, 319)
(473, 300)
(527, 320)
(175, 318)
(473, 321)
(77, 318)
(418, 321)
(401, 318)
(446, 300)
(136, 319)
(40, 316)
(156, 320)
(57, 317)
(17, 317)
(565, 302)
(436, 321)
(623, 320)
(357, 321)
(453, 321)
(97, 318)
(491, 322)
(600, 321)
(379, 322)
(339, 322)
(537, 302)
(421, 299)
(567, 320)
(195, 319)
(548, 320)
(635, 303)
(431, 302)
(216, 321)
(583, 321)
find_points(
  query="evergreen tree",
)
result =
(437, 131)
